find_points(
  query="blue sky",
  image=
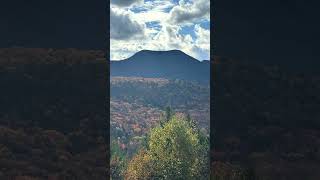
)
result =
(160, 25)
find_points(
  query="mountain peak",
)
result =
(173, 64)
(159, 52)
(171, 55)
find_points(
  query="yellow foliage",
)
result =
(139, 168)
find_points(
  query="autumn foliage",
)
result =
(175, 150)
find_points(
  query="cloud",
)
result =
(151, 27)
(187, 12)
(125, 3)
(200, 48)
(168, 38)
(122, 26)
(156, 10)
(203, 37)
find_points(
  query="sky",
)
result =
(159, 25)
(268, 31)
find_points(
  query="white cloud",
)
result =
(203, 40)
(154, 11)
(187, 12)
(149, 16)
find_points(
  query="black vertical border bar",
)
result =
(107, 100)
(212, 85)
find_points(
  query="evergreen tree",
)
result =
(168, 113)
(167, 116)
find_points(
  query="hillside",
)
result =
(162, 64)
(137, 105)
(52, 114)
(161, 93)
(266, 121)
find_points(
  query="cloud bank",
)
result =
(122, 27)
(160, 25)
(188, 13)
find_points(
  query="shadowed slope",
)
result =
(172, 64)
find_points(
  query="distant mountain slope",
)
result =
(181, 96)
(172, 64)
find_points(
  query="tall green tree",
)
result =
(168, 113)
(175, 151)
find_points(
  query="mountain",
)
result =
(172, 64)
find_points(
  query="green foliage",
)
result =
(168, 113)
(118, 161)
(175, 151)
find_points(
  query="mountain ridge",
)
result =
(173, 64)
(173, 51)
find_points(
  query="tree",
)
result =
(175, 151)
(168, 113)
(167, 116)
(117, 161)
(140, 167)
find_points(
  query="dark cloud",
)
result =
(124, 3)
(122, 27)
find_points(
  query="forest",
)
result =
(53, 118)
(144, 110)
